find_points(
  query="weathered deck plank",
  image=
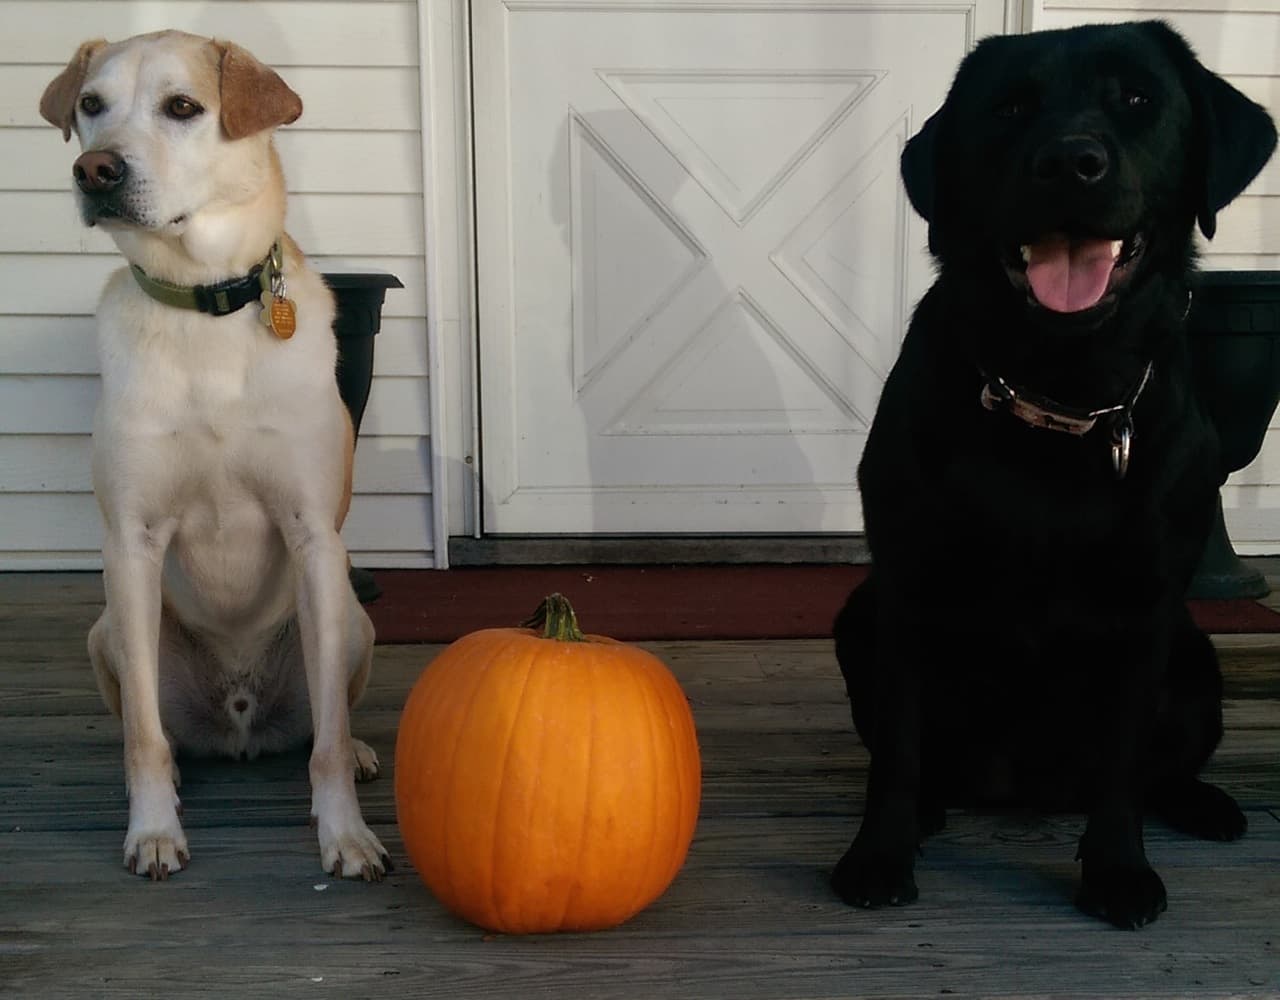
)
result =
(749, 917)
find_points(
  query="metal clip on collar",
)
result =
(1121, 440)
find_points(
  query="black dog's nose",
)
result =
(1073, 158)
(98, 171)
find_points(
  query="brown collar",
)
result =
(1041, 411)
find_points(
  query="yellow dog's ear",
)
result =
(253, 96)
(58, 103)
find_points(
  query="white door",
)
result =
(696, 260)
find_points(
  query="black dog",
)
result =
(1040, 435)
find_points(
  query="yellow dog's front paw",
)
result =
(354, 853)
(155, 845)
(156, 855)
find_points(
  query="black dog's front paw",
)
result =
(867, 877)
(1128, 896)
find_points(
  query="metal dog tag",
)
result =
(284, 318)
(279, 315)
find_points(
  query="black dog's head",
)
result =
(1069, 167)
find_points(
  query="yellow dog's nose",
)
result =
(98, 171)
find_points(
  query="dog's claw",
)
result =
(367, 767)
(1125, 897)
(358, 855)
(871, 879)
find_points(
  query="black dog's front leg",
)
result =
(879, 867)
(1116, 881)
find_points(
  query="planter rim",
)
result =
(1262, 278)
(342, 280)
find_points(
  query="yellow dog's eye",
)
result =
(91, 104)
(182, 108)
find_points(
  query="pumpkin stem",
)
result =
(556, 619)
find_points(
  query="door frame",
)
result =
(448, 188)
(448, 164)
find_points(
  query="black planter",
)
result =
(359, 297)
(1235, 343)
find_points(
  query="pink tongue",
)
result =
(1068, 276)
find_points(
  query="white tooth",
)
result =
(1116, 247)
(1025, 250)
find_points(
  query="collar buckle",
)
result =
(222, 298)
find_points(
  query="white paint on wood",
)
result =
(44, 463)
(281, 34)
(48, 345)
(401, 348)
(397, 406)
(47, 404)
(696, 260)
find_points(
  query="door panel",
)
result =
(696, 258)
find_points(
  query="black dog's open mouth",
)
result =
(1070, 274)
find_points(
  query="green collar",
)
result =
(221, 299)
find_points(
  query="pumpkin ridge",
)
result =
(678, 734)
(446, 809)
(440, 820)
(644, 884)
(535, 696)
(575, 887)
(530, 656)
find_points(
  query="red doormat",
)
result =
(663, 602)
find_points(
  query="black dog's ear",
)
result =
(920, 174)
(1240, 139)
(1237, 136)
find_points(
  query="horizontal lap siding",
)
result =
(1241, 40)
(354, 169)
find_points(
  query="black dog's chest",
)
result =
(1044, 494)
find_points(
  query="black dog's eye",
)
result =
(91, 105)
(182, 108)
(1134, 98)
(1014, 107)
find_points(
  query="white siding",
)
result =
(354, 169)
(1241, 40)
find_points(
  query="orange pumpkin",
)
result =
(546, 780)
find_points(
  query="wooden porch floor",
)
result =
(750, 916)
